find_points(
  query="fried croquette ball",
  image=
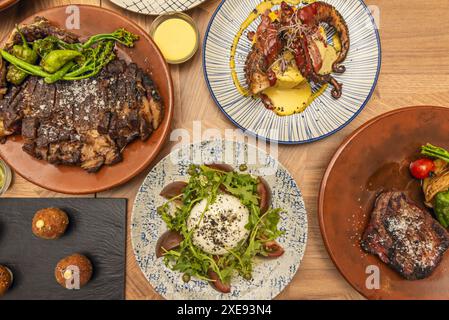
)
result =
(6, 279)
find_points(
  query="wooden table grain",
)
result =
(415, 71)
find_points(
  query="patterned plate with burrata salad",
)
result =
(219, 220)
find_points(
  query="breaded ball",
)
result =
(50, 223)
(66, 271)
(6, 279)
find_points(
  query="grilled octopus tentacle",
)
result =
(319, 12)
(265, 51)
(305, 21)
(337, 88)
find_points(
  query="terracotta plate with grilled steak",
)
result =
(88, 135)
(378, 231)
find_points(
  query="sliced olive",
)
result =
(186, 277)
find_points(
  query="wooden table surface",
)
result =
(415, 71)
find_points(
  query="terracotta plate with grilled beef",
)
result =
(372, 215)
(87, 135)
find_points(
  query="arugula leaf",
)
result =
(243, 186)
(269, 229)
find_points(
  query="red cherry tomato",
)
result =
(422, 168)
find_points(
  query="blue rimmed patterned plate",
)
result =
(270, 276)
(325, 115)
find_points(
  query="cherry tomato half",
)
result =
(263, 189)
(168, 241)
(421, 168)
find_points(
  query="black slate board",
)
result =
(97, 229)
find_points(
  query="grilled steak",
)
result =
(86, 123)
(404, 236)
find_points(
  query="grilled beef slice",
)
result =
(87, 122)
(404, 236)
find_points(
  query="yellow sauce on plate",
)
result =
(177, 39)
(295, 100)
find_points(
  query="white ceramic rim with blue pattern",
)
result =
(271, 276)
(157, 7)
(302, 128)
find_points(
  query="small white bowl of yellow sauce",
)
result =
(176, 35)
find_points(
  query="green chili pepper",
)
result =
(58, 75)
(25, 53)
(56, 59)
(15, 76)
